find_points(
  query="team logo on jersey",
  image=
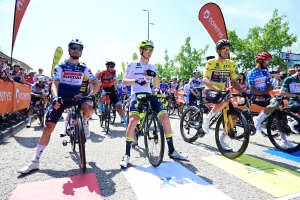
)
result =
(138, 64)
(226, 66)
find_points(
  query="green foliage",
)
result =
(272, 37)
(123, 67)
(189, 59)
(120, 76)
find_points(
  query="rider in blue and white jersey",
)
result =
(194, 83)
(39, 90)
(68, 77)
(164, 87)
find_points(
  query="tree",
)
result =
(165, 70)
(272, 37)
(188, 60)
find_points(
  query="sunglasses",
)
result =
(149, 49)
(225, 49)
(76, 48)
(111, 66)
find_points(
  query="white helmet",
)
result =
(76, 41)
(164, 79)
(174, 77)
(42, 79)
(196, 72)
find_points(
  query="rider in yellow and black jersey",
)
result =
(216, 74)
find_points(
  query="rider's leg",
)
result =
(101, 102)
(66, 120)
(133, 120)
(87, 109)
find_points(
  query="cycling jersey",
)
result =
(173, 87)
(291, 85)
(135, 70)
(85, 84)
(107, 78)
(218, 72)
(70, 78)
(258, 79)
(36, 88)
(194, 84)
(164, 87)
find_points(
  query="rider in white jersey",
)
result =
(139, 75)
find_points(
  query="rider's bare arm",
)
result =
(96, 87)
(209, 84)
(54, 88)
(287, 94)
(259, 92)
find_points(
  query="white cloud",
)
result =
(4, 6)
(113, 46)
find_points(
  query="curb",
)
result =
(14, 128)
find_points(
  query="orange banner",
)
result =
(20, 8)
(210, 15)
(6, 96)
(22, 96)
(14, 97)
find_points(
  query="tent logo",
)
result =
(206, 14)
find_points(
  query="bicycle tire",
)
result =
(233, 154)
(113, 113)
(170, 109)
(156, 137)
(72, 134)
(107, 120)
(273, 139)
(194, 136)
(81, 142)
(180, 109)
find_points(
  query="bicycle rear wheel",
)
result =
(290, 121)
(189, 127)
(81, 142)
(237, 138)
(154, 139)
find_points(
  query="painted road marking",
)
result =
(266, 176)
(290, 156)
(75, 187)
(171, 181)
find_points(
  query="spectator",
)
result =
(242, 81)
(2, 68)
(278, 68)
(277, 82)
(30, 78)
(40, 72)
(17, 75)
(291, 71)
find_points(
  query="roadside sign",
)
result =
(289, 56)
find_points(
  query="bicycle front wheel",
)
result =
(81, 141)
(189, 124)
(106, 119)
(235, 143)
(154, 139)
(290, 123)
(112, 113)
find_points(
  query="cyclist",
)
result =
(39, 91)
(68, 77)
(120, 90)
(174, 86)
(139, 75)
(193, 84)
(108, 79)
(164, 87)
(216, 73)
(85, 86)
(259, 82)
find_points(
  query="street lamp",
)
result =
(148, 22)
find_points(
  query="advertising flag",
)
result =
(20, 8)
(210, 15)
(135, 57)
(57, 56)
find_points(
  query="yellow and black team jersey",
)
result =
(218, 72)
(85, 84)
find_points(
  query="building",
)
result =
(15, 61)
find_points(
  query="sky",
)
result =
(113, 29)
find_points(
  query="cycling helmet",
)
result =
(222, 43)
(76, 41)
(110, 63)
(42, 79)
(264, 56)
(164, 79)
(196, 72)
(146, 43)
(174, 77)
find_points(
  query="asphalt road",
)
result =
(104, 152)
